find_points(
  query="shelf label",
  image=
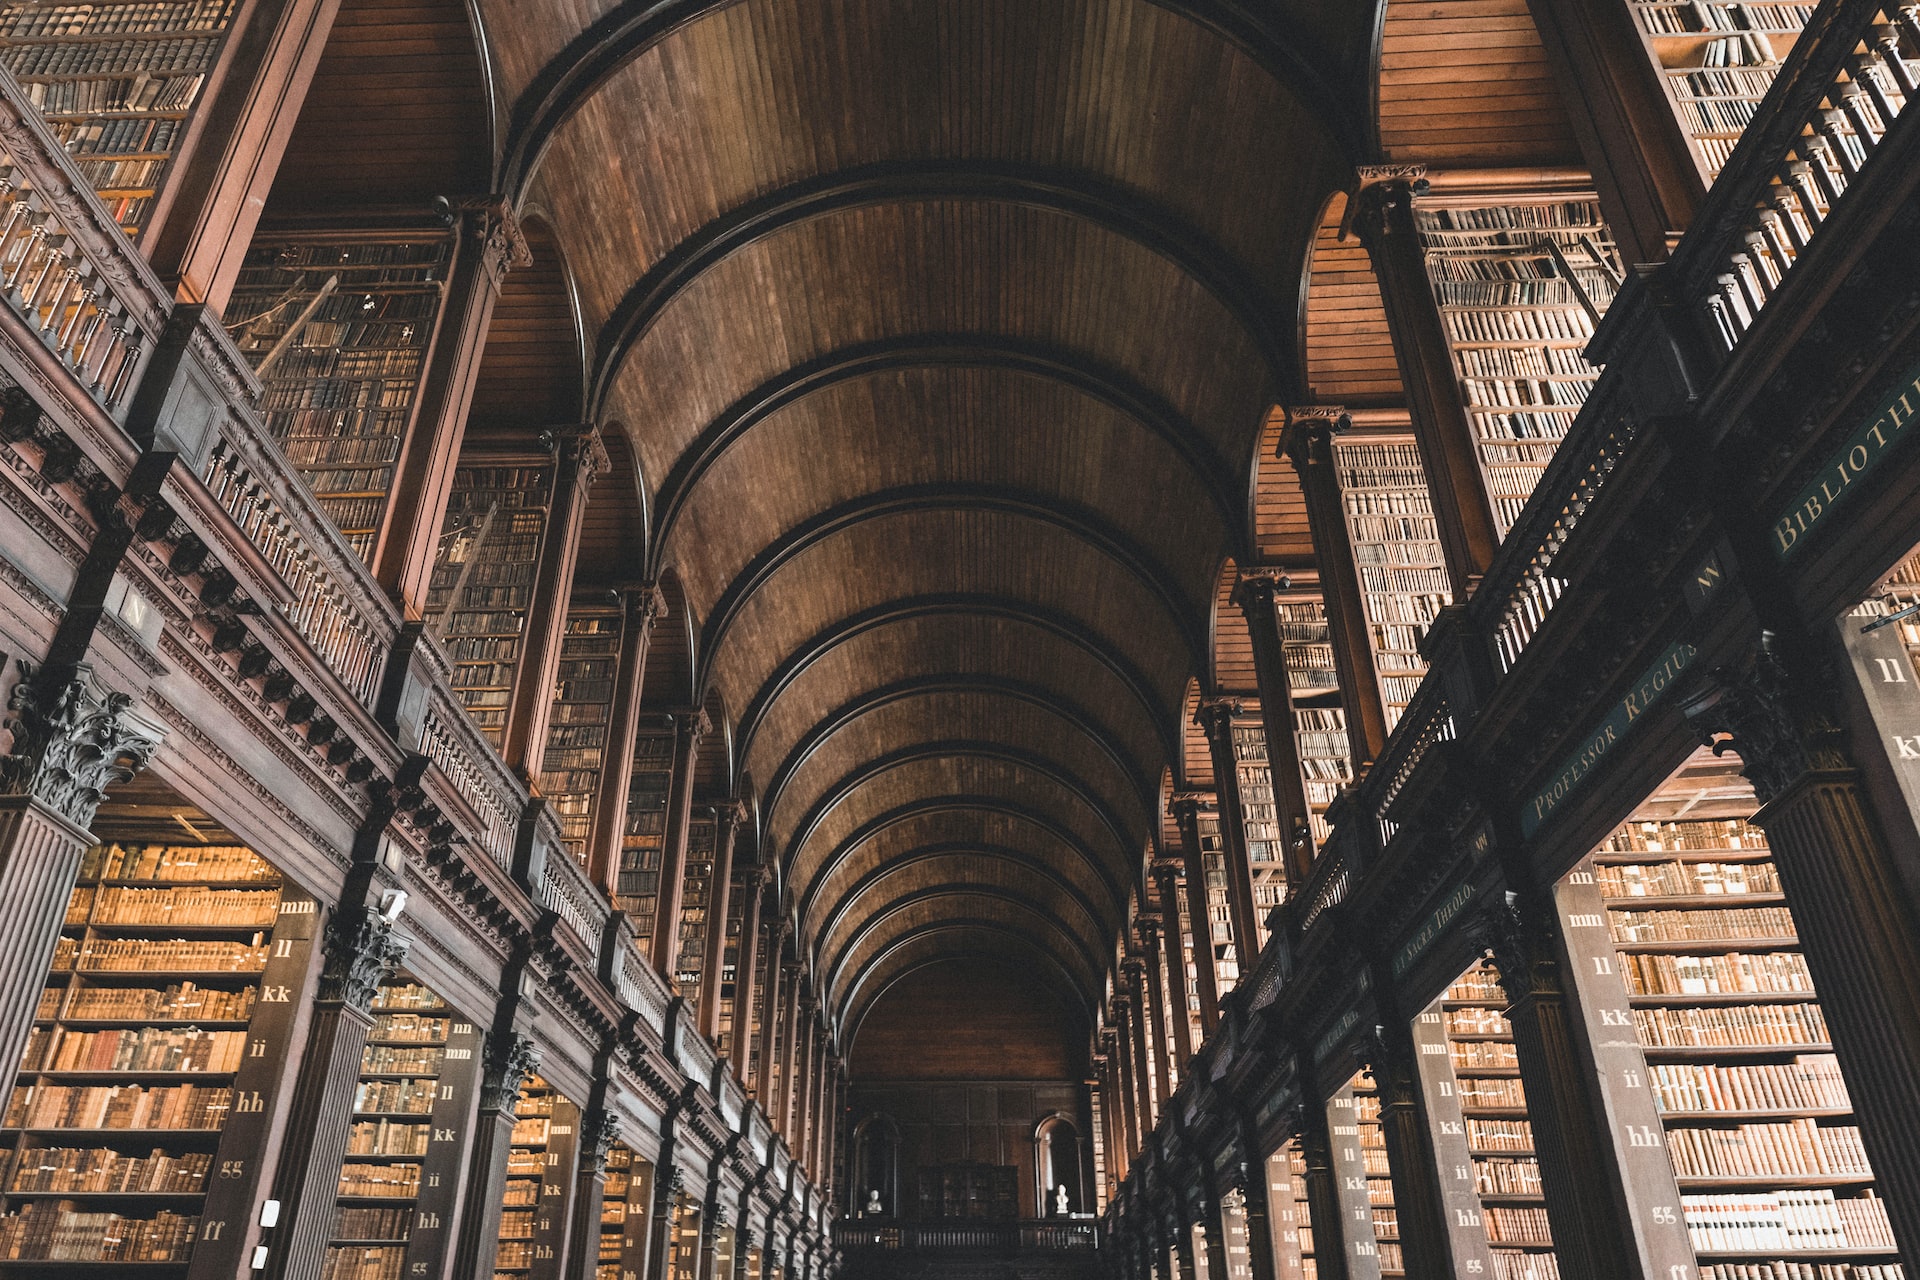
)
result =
(1863, 452)
(1646, 691)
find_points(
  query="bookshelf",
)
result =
(340, 394)
(694, 922)
(1396, 550)
(637, 890)
(1759, 1129)
(482, 581)
(623, 1216)
(1717, 59)
(1213, 862)
(117, 83)
(577, 728)
(1189, 993)
(1288, 1215)
(1476, 1101)
(1319, 721)
(399, 1182)
(724, 1040)
(136, 1084)
(1359, 1151)
(540, 1168)
(1515, 325)
(1266, 843)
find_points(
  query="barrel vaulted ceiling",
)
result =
(941, 337)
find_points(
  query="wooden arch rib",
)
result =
(1033, 762)
(858, 990)
(874, 928)
(805, 896)
(632, 27)
(1087, 526)
(1109, 387)
(1057, 704)
(1089, 199)
(1010, 608)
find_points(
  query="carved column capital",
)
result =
(1515, 934)
(694, 724)
(1256, 589)
(728, 816)
(1149, 927)
(1777, 715)
(493, 227)
(598, 1133)
(644, 602)
(577, 445)
(1187, 804)
(1215, 718)
(362, 951)
(1308, 439)
(510, 1059)
(1167, 868)
(72, 739)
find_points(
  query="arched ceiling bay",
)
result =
(942, 335)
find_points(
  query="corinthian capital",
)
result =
(1776, 714)
(492, 224)
(362, 952)
(72, 739)
(1215, 717)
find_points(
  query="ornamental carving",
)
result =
(598, 1133)
(510, 1060)
(362, 952)
(1512, 935)
(1778, 719)
(72, 739)
(495, 228)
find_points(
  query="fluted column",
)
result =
(1166, 873)
(361, 952)
(1142, 1048)
(789, 1056)
(1150, 945)
(746, 976)
(406, 545)
(688, 729)
(1417, 1196)
(1323, 1191)
(766, 1073)
(643, 606)
(1103, 1070)
(1857, 926)
(1449, 454)
(1186, 814)
(1309, 443)
(578, 458)
(728, 818)
(72, 739)
(1256, 593)
(1132, 1130)
(509, 1059)
(599, 1130)
(1215, 718)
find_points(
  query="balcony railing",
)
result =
(1039, 1234)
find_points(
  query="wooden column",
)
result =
(1186, 813)
(1109, 1101)
(1144, 1102)
(599, 1129)
(1210, 1237)
(1323, 1189)
(1580, 1089)
(746, 976)
(728, 816)
(789, 1030)
(1257, 1207)
(72, 739)
(807, 1088)
(578, 458)
(1256, 594)
(361, 952)
(1460, 1207)
(509, 1058)
(766, 1072)
(644, 605)
(1123, 1057)
(1309, 443)
(1417, 1194)
(1857, 927)
(1153, 947)
(1166, 874)
(1448, 452)
(1215, 718)
(1641, 162)
(1354, 1237)
(204, 219)
(407, 543)
(688, 728)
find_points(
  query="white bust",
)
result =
(1060, 1205)
(873, 1209)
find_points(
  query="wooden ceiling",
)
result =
(937, 344)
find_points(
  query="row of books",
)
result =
(147, 91)
(120, 175)
(1718, 115)
(1686, 879)
(127, 955)
(1716, 923)
(1506, 1176)
(364, 1262)
(1801, 1147)
(1513, 1224)
(113, 57)
(240, 908)
(387, 1138)
(1478, 1020)
(1511, 395)
(1724, 835)
(1483, 1055)
(414, 1028)
(379, 448)
(181, 1002)
(1738, 1025)
(1803, 1271)
(1811, 1219)
(399, 1060)
(61, 1106)
(1522, 362)
(1512, 1264)
(135, 136)
(1682, 16)
(44, 1231)
(143, 17)
(104, 1170)
(1755, 972)
(394, 1097)
(1490, 1092)
(1514, 322)
(407, 995)
(1809, 1082)
(371, 1224)
(145, 1049)
(382, 1181)
(227, 863)
(1500, 1135)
